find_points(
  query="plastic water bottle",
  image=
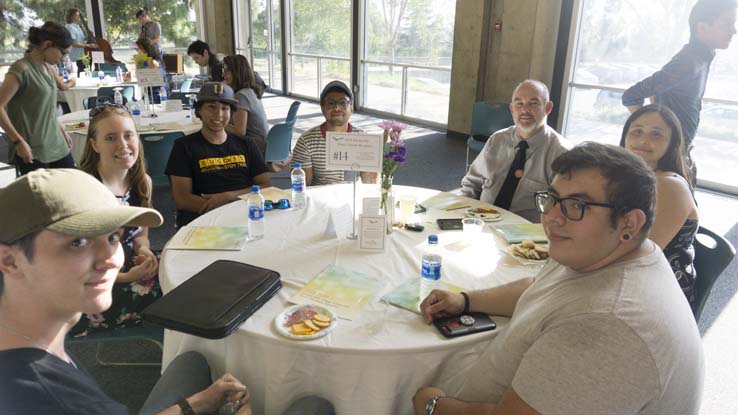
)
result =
(118, 98)
(118, 74)
(430, 271)
(136, 113)
(298, 187)
(101, 76)
(162, 95)
(255, 205)
(65, 74)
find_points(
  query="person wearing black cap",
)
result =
(212, 167)
(28, 103)
(310, 151)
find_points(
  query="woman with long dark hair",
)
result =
(653, 133)
(28, 103)
(250, 118)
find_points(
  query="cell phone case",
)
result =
(454, 327)
(450, 224)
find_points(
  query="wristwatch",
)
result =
(430, 406)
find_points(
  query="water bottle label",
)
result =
(298, 185)
(431, 271)
(256, 213)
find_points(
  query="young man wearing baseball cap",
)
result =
(336, 102)
(59, 257)
(212, 167)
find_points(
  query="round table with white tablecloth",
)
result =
(371, 365)
(87, 87)
(164, 122)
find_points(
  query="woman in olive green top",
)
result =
(28, 103)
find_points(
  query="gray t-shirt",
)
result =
(619, 340)
(257, 126)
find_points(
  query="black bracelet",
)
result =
(466, 302)
(185, 407)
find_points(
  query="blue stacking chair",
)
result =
(144, 331)
(279, 137)
(487, 117)
(157, 147)
(712, 254)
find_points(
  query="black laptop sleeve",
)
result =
(216, 300)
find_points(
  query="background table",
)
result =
(163, 123)
(86, 87)
(372, 365)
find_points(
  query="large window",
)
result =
(178, 24)
(618, 43)
(406, 68)
(266, 41)
(18, 16)
(321, 45)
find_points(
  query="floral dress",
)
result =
(129, 298)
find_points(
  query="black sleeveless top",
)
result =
(680, 254)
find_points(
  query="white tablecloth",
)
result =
(372, 365)
(76, 96)
(164, 122)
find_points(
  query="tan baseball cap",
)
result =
(67, 201)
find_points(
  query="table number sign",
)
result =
(98, 57)
(352, 151)
(149, 77)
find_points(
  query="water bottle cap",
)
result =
(432, 239)
(255, 188)
(298, 165)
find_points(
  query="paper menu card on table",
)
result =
(446, 201)
(344, 291)
(372, 232)
(407, 295)
(519, 232)
(217, 238)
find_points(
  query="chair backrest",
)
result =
(109, 91)
(709, 262)
(279, 142)
(157, 148)
(109, 68)
(292, 113)
(488, 117)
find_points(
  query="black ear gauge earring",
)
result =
(626, 237)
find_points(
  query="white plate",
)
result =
(487, 217)
(285, 330)
(524, 261)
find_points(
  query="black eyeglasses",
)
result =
(571, 207)
(335, 104)
(281, 204)
(102, 107)
(62, 50)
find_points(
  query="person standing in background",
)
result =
(28, 103)
(149, 29)
(73, 17)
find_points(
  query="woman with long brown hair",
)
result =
(653, 133)
(250, 119)
(114, 155)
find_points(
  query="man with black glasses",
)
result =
(336, 102)
(603, 328)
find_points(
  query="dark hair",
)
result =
(243, 75)
(199, 47)
(707, 11)
(199, 104)
(630, 183)
(70, 14)
(25, 244)
(148, 47)
(673, 160)
(57, 34)
(142, 12)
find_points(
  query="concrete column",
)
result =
(219, 26)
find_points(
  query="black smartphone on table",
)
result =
(450, 224)
(464, 324)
